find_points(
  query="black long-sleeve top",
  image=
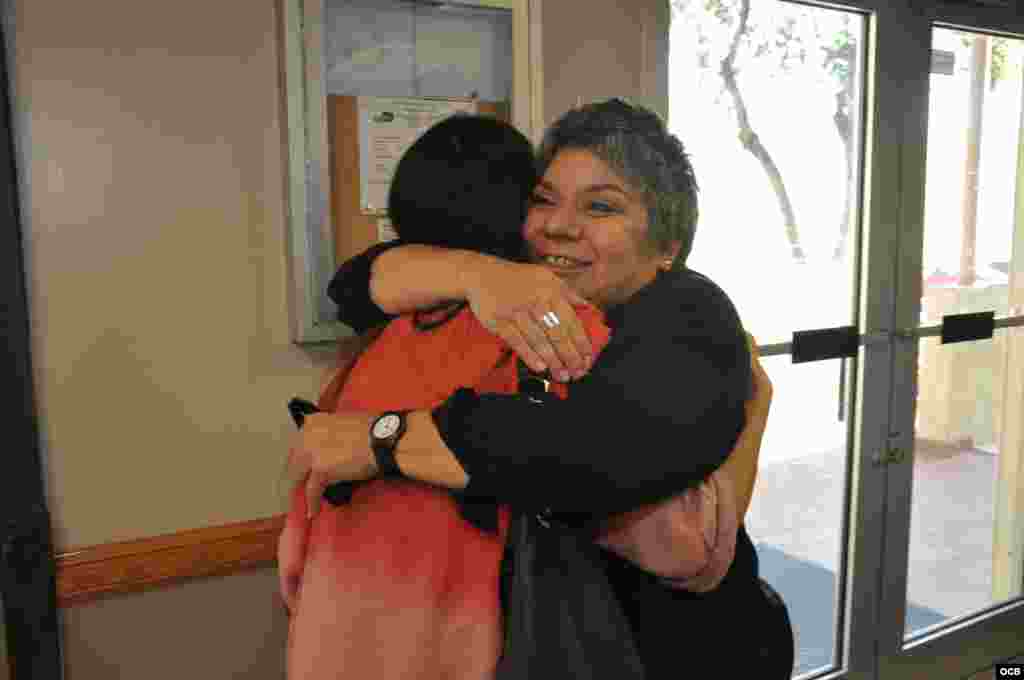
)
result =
(660, 409)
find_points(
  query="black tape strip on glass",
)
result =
(825, 343)
(966, 327)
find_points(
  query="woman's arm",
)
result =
(424, 456)
(740, 468)
(508, 298)
(349, 289)
(672, 376)
(416, 276)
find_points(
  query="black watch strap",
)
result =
(387, 466)
(383, 443)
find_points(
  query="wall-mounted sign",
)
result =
(387, 127)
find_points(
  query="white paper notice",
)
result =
(387, 127)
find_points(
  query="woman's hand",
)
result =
(758, 405)
(509, 298)
(740, 468)
(291, 549)
(332, 447)
(512, 299)
(749, 445)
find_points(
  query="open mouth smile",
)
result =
(563, 262)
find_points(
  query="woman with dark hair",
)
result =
(410, 561)
(613, 218)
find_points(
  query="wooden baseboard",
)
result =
(85, 574)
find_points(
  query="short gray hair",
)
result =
(635, 142)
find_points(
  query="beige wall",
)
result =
(604, 48)
(227, 628)
(150, 144)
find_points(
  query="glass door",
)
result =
(954, 522)
(861, 203)
(770, 99)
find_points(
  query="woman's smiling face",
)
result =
(589, 226)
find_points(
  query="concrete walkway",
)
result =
(798, 505)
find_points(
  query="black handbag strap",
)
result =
(562, 617)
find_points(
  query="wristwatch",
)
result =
(385, 432)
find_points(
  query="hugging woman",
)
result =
(658, 412)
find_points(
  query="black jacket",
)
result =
(661, 409)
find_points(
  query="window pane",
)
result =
(776, 149)
(796, 516)
(974, 116)
(962, 555)
(965, 547)
(774, 132)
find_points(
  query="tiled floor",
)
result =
(798, 505)
(990, 674)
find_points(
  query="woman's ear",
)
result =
(670, 255)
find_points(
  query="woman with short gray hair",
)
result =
(612, 221)
(634, 142)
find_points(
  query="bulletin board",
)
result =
(355, 230)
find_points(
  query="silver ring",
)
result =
(550, 319)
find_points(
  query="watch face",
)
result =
(386, 426)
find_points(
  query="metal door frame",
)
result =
(980, 639)
(27, 574)
(897, 74)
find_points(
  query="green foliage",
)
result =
(778, 38)
(1000, 60)
(1000, 66)
(719, 10)
(792, 36)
